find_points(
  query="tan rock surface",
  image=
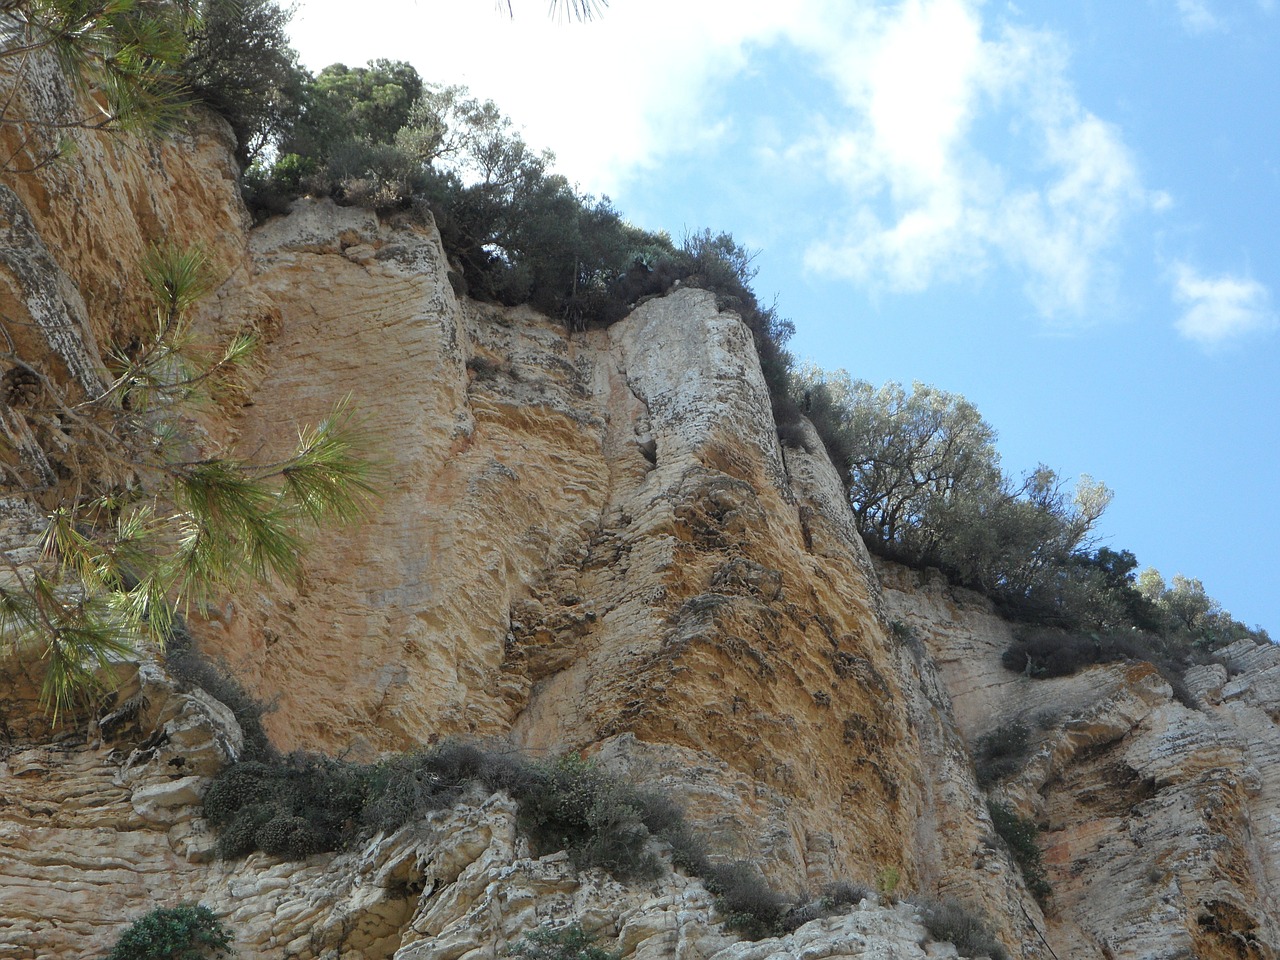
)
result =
(1158, 819)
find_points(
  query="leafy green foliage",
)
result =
(953, 922)
(189, 931)
(345, 105)
(1022, 837)
(1001, 753)
(926, 488)
(239, 62)
(560, 943)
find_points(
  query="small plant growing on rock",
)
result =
(560, 943)
(189, 931)
(952, 921)
(887, 883)
(1001, 753)
(1021, 836)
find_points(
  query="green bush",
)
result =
(302, 804)
(1022, 837)
(240, 63)
(1001, 753)
(560, 943)
(953, 922)
(292, 807)
(1044, 652)
(749, 904)
(189, 931)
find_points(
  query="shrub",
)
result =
(1001, 753)
(191, 668)
(953, 922)
(1043, 652)
(832, 901)
(292, 807)
(571, 805)
(189, 931)
(306, 804)
(845, 894)
(750, 906)
(240, 63)
(887, 883)
(1021, 836)
(375, 175)
(560, 943)
(1049, 652)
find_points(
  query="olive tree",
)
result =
(926, 486)
(908, 452)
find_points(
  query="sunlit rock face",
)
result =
(584, 541)
(1159, 821)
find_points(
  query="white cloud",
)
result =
(1220, 309)
(931, 200)
(609, 97)
(1198, 18)
(908, 96)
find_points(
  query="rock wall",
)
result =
(587, 542)
(1158, 819)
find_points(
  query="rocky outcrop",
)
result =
(97, 829)
(1157, 818)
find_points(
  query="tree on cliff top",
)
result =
(239, 62)
(926, 487)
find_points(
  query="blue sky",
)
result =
(1066, 212)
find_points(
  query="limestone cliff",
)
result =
(588, 541)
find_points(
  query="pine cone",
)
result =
(19, 387)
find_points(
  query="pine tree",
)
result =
(156, 518)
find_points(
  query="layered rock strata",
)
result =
(1158, 819)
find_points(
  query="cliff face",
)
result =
(1159, 820)
(591, 542)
